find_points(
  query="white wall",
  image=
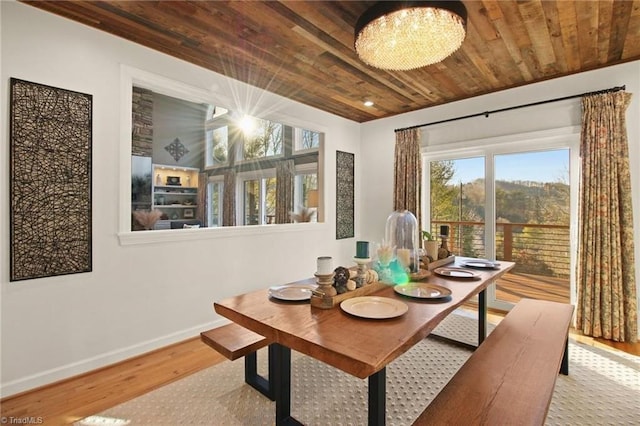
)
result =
(138, 297)
(378, 138)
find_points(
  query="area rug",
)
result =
(603, 387)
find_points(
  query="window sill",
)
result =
(174, 235)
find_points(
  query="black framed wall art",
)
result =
(345, 186)
(50, 181)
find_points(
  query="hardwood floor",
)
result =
(71, 400)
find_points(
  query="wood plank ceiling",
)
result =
(303, 50)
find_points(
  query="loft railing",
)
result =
(541, 249)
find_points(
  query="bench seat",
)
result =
(234, 341)
(510, 378)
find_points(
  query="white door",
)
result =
(511, 203)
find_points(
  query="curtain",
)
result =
(607, 305)
(201, 211)
(285, 172)
(407, 173)
(229, 199)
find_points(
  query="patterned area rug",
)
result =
(603, 387)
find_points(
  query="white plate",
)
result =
(422, 290)
(480, 263)
(291, 292)
(453, 272)
(374, 307)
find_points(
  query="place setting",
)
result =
(292, 292)
(423, 291)
(456, 272)
(374, 307)
(480, 264)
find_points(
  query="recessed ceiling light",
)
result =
(368, 103)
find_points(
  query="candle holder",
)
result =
(443, 251)
(361, 278)
(325, 284)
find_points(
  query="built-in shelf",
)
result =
(172, 188)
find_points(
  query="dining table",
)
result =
(360, 344)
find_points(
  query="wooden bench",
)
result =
(510, 378)
(234, 341)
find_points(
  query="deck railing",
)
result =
(541, 249)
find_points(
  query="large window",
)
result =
(510, 203)
(185, 150)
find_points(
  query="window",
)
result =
(306, 139)
(177, 131)
(259, 197)
(261, 138)
(305, 182)
(216, 136)
(510, 201)
(214, 196)
(217, 151)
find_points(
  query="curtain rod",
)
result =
(486, 113)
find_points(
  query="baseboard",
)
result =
(68, 371)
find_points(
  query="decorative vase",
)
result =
(431, 247)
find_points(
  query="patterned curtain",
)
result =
(285, 172)
(408, 172)
(201, 211)
(607, 304)
(229, 199)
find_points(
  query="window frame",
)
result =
(488, 148)
(297, 138)
(243, 177)
(131, 76)
(215, 180)
(210, 147)
(302, 170)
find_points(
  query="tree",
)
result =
(443, 194)
(266, 141)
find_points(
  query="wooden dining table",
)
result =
(362, 347)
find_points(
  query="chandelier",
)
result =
(404, 35)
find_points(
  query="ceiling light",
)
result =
(404, 35)
(368, 103)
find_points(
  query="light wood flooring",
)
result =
(70, 400)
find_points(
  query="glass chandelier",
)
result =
(400, 36)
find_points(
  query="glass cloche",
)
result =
(403, 233)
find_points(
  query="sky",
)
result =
(545, 166)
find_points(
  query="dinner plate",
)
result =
(453, 272)
(422, 290)
(374, 307)
(480, 263)
(291, 292)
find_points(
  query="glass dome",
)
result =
(403, 233)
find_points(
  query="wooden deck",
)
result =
(514, 286)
